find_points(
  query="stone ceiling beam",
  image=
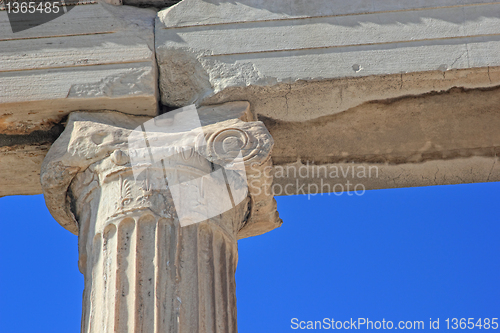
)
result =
(410, 87)
(207, 49)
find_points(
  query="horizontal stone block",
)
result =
(213, 12)
(94, 57)
(20, 169)
(448, 137)
(205, 47)
(353, 179)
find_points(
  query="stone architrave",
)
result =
(144, 272)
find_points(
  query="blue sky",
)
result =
(404, 254)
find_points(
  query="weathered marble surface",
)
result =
(207, 47)
(295, 63)
(92, 137)
(145, 271)
(95, 57)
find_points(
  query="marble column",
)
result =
(154, 259)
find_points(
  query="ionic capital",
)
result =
(110, 143)
(158, 205)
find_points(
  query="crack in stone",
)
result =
(491, 170)
(460, 56)
(286, 98)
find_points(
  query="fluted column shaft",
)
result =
(143, 271)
